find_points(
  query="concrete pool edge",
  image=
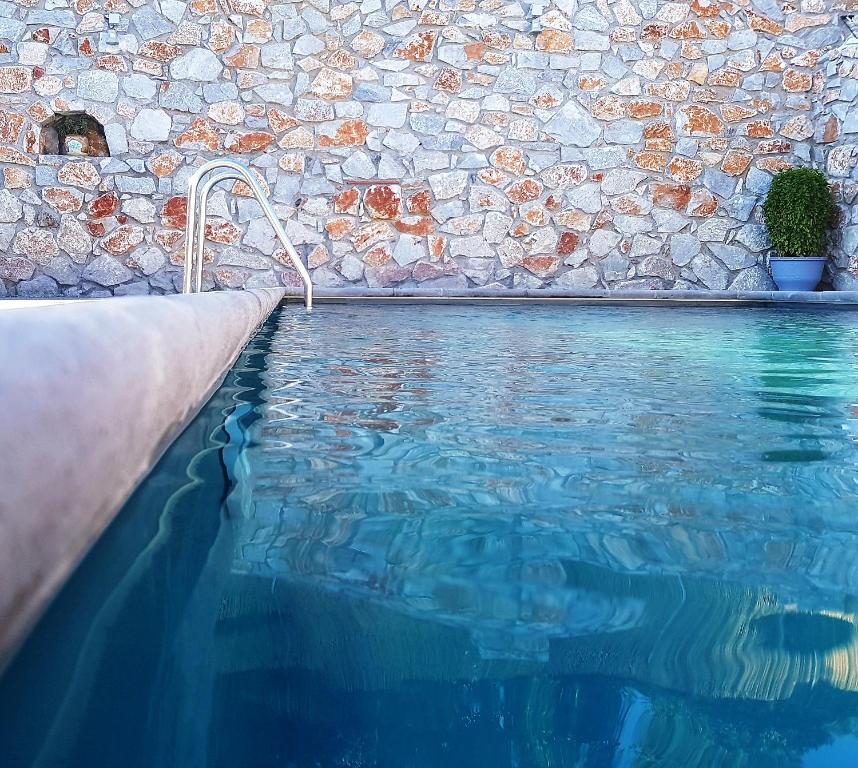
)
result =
(94, 392)
(843, 299)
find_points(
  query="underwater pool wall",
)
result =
(93, 393)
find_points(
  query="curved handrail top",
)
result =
(243, 173)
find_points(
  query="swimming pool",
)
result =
(521, 535)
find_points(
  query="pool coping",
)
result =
(841, 299)
(97, 391)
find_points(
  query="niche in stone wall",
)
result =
(74, 133)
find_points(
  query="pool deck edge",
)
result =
(843, 299)
(93, 393)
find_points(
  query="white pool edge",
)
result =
(93, 392)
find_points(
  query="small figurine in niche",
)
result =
(76, 134)
(75, 145)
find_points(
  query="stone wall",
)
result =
(837, 153)
(441, 143)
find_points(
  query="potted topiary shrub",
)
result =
(797, 213)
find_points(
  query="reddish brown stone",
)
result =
(437, 244)
(103, 206)
(420, 203)
(640, 109)
(381, 202)
(553, 203)
(797, 82)
(524, 191)
(536, 216)
(122, 240)
(590, 83)
(831, 131)
(351, 133)
(773, 63)
(498, 40)
(675, 196)
(370, 234)
(700, 121)
(773, 164)
(111, 63)
(554, 41)
(622, 35)
(16, 178)
(200, 135)
(11, 124)
(160, 51)
(342, 59)
(423, 270)
(655, 32)
(493, 177)
(775, 147)
(733, 113)
(42, 35)
(627, 204)
(418, 47)
(279, 121)
(449, 80)
(728, 78)
(761, 23)
(651, 161)
(165, 165)
(255, 141)
(169, 239)
(221, 36)
(224, 232)
(759, 129)
(718, 28)
(241, 189)
(377, 257)
(689, 30)
(415, 225)
(175, 212)
(684, 169)
(658, 131)
(703, 203)
(676, 90)
(609, 108)
(347, 202)
(547, 100)
(62, 200)
(339, 228)
(567, 244)
(15, 79)
(706, 8)
(509, 159)
(247, 57)
(736, 162)
(79, 174)
(475, 51)
(96, 228)
(542, 266)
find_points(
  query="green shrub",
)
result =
(798, 212)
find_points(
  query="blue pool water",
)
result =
(478, 536)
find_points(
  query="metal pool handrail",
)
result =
(195, 230)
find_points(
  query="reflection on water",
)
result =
(507, 536)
